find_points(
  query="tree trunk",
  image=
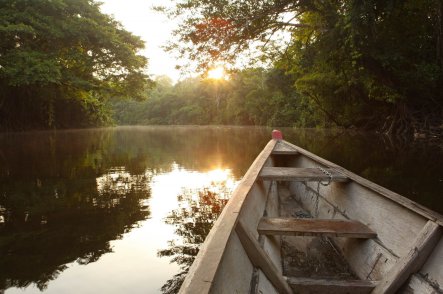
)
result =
(401, 124)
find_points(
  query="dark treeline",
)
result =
(248, 97)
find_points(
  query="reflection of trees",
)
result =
(158, 147)
(75, 154)
(63, 195)
(51, 223)
(193, 219)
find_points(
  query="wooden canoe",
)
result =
(295, 214)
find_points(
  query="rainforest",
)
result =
(373, 65)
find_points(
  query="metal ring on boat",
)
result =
(326, 173)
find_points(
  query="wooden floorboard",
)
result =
(314, 227)
(308, 285)
(301, 174)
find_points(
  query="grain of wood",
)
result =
(314, 227)
(260, 259)
(344, 202)
(411, 262)
(300, 174)
(433, 268)
(417, 284)
(308, 285)
(394, 224)
(414, 206)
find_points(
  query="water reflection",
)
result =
(58, 223)
(197, 210)
(94, 210)
(68, 199)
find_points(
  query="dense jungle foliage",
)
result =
(366, 64)
(375, 64)
(249, 97)
(59, 62)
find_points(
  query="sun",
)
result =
(217, 73)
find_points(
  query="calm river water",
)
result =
(123, 210)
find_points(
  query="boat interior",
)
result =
(298, 223)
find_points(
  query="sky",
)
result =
(153, 27)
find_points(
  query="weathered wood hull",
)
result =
(405, 256)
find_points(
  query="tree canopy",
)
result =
(60, 60)
(367, 64)
(375, 64)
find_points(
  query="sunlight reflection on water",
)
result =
(136, 257)
(124, 210)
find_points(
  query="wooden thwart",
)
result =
(260, 259)
(283, 149)
(301, 174)
(307, 285)
(314, 227)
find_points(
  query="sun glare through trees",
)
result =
(217, 73)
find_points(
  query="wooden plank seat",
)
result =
(284, 149)
(301, 174)
(314, 227)
(331, 286)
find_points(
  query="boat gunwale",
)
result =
(201, 275)
(395, 197)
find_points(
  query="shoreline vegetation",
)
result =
(375, 66)
(251, 97)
